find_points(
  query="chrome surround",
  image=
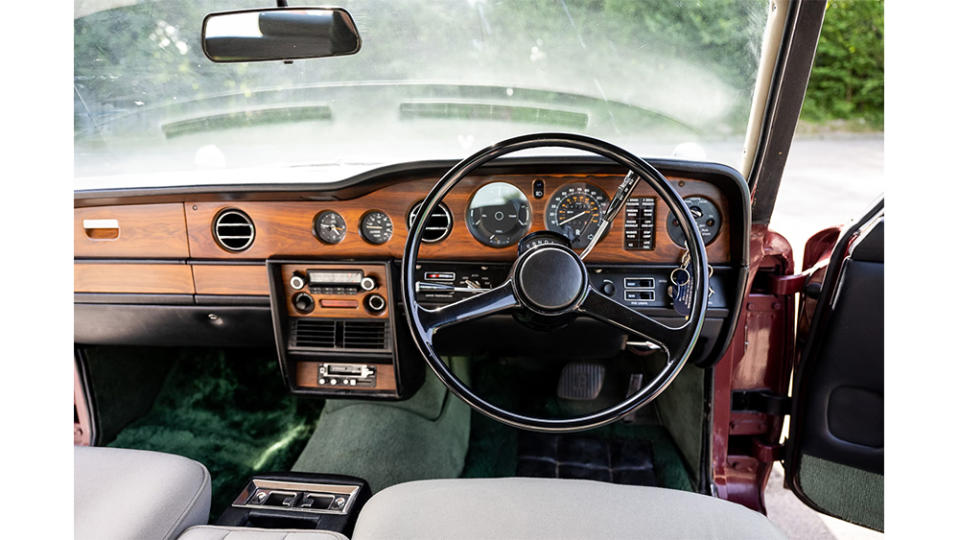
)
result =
(219, 238)
(440, 207)
(258, 486)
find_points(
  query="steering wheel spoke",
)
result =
(603, 308)
(481, 305)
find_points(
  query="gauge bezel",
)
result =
(316, 231)
(366, 215)
(566, 186)
(718, 226)
(484, 240)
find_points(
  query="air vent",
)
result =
(365, 335)
(309, 333)
(438, 226)
(233, 230)
(313, 333)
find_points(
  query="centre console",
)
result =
(335, 328)
(294, 500)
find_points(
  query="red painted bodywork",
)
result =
(745, 445)
(81, 412)
(761, 356)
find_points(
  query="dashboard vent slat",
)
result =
(439, 224)
(313, 333)
(365, 334)
(233, 230)
(310, 333)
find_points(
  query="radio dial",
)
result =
(297, 282)
(367, 283)
(303, 303)
(375, 303)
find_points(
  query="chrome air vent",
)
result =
(365, 335)
(233, 230)
(311, 333)
(438, 226)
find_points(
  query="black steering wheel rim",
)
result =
(681, 350)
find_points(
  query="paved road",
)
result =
(826, 182)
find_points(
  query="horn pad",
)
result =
(550, 279)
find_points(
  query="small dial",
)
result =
(498, 214)
(574, 212)
(376, 227)
(707, 219)
(329, 227)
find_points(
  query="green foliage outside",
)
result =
(847, 78)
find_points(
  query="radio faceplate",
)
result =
(339, 291)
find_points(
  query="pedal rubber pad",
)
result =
(580, 381)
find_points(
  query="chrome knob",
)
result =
(367, 283)
(375, 302)
(297, 282)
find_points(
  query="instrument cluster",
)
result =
(499, 214)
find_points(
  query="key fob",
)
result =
(681, 291)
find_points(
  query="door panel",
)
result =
(835, 457)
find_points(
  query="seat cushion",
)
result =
(210, 532)
(552, 508)
(121, 493)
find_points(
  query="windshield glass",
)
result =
(433, 80)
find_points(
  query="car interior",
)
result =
(535, 339)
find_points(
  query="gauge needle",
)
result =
(567, 220)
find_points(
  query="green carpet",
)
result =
(527, 388)
(387, 443)
(229, 411)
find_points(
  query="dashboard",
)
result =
(314, 269)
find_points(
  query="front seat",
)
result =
(552, 508)
(122, 494)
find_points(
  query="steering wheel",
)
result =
(551, 280)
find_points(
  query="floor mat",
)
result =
(387, 443)
(229, 411)
(494, 448)
(620, 461)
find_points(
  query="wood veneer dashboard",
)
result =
(156, 248)
(285, 228)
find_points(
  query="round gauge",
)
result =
(329, 227)
(498, 214)
(707, 219)
(376, 227)
(574, 211)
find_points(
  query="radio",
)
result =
(347, 375)
(333, 282)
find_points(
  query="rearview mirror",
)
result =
(279, 34)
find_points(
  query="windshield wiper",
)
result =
(247, 118)
(478, 110)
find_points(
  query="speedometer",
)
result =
(498, 214)
(574, 212)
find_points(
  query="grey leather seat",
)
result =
(123, 494)
(554, 509)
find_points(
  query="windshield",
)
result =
(433, 80)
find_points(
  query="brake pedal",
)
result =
(580, 381)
